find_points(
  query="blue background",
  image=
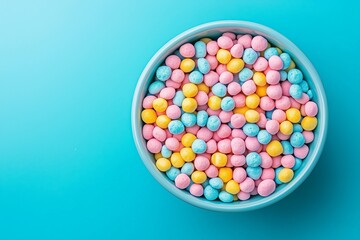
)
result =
(68, 165)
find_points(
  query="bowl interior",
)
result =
(213, 30)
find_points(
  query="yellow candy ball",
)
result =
(157, 156)
(176, 160)
(225, 174)
(219, 159)
(309, 123)
(261, 90)
(274, 148)
(293, 115)
(286, 175)
(190, 90)
(223, 56)
(292, 65)
(203, 87)
(286, 127)
(187, 154)
(235, 65)
(214, 102)
(241, 110)
(252, 101)
(259, 79)
(160, 105)
(163, 121)
(187, 65)
(232, 187)
(198, 177)
(189, 105)
(163, 164)
(187, 139)
(252, 116)
(148, 116)
(206, 40)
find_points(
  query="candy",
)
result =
(228, 118)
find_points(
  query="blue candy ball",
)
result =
(219, 90)
(264, 137)
(286, 59)
(188, 119)
(165, 152)
(295, 91)
(196, 77)
(213, 123)
(298, 163)
(216, 183)
(283, 75)
(163, 73)
(253, 159)
(210, 193)
(250, 56)
(297, 127)
(304, 86)
(245, 74)
(178, 98)
(295, 76)
(187, 168)
(270, 52)
(227, 104)
(176, 127)
(203, 65)
(202, 118)
(200, 49)
(251, 129)
(277, 170)
(226, 197)
(172, 173)
(155, 87)
(287, 148)
(254, 172)
(198, 146)
(310, 94)
(268, 114)
(297, 139)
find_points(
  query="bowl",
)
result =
(215, 29)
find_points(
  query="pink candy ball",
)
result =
(279, 115)
(211, 78)
(154, 145)
(173, 61)
(231, 35)
(247, 185)
(177, 75)
(311, 109)
(201, 163)
(201, 98)
(309, 136)
(226, 77)
(266, 160)
(301, 152)
(147, 131)
(245, 40)
(267, 103)
(266, 187)
(268, 173)
(148, 101)
(262, 121)
(238, 160)
(224, 131)
(225, 117)
(276, 162)
(221, 68)
(159, 134)
(252, 144)
(274, 91)
(273, 77)
(238, 133)
(243, 196)
(237, 146)
(212, 61)
(237, 120)
(261, 64)
(239, 174)
(283, 103)
(211, 146)
(288, 161)
(167, 93)
(234, 88)
(285, 86)
(172, 144)
(182, 181)
(194, 129)
(259, 43)
(224, 42)
(249, 87)
(272, 126)
(171, 83)
(196, 190)
(187, 50)
(212, 48)
(239, 100)
(224, 146)
(275, 62)
(237, 50)
(173, 112)
(212, 171)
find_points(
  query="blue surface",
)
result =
(68, 164)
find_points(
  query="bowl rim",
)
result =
(244, 206)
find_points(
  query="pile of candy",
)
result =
(229, 118)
